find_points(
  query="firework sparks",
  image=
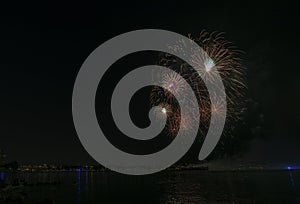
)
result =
(173, 82)
(168, 83)
(209, 64)
(218, 57)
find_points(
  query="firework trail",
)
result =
(219, 57)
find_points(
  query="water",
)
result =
(165, 187)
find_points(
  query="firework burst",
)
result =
(218, 57)
(168, 82)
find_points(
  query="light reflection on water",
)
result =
(78, 185)
(292, 178)
(2, 175)
(167, 187)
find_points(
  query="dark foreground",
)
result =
(166, 187)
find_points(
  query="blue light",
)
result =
(289, 168)
(78, 183)
(2, 175)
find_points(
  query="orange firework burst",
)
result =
(218, 57)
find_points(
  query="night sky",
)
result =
(43, 47)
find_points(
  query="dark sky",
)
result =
(43, 47)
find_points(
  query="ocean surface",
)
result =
(166, 187)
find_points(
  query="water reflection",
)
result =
(86, 181)
(166, 187)
(2, 175)
(292, 178)
(78, 185)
